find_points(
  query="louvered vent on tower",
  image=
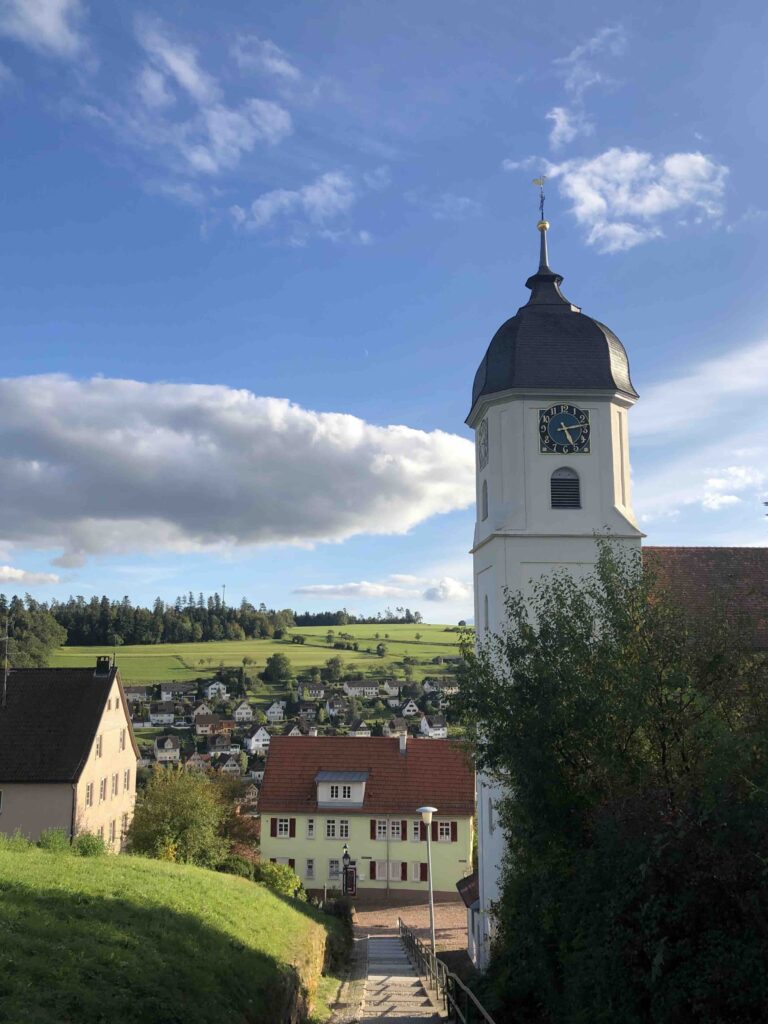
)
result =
(566, 488)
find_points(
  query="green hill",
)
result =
(131, 941)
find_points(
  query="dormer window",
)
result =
(565, 488)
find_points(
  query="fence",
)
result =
(459, 1003)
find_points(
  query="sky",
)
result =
(253, 254)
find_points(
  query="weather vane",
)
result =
(539, 182)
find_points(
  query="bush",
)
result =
(240, 866)
(16, 843)
(55, 840)
(281, 878)
(86, 844)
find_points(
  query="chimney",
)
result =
(403, 742)
(103, 667)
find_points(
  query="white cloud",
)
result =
(520, 165)
(621, 195)
(578, 67)
(152, 87)
(323, 200)
(8, 574)
(402, 586)
(104, 466)
(567, 125)
(448, 589)
(363, 589)
(718, 501)
(446, 205)
(177, 60)
(254, 54)
(50, 26)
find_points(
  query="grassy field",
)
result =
(183, 662)
(133, 941)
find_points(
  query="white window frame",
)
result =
(126, 779)
(330, 828)
(343, 828)
(334, 792)
(415, 871)
(283, 830)
(416, 831)
(310, 828)
(346, 792)
(443, 831)
(334, 873)
(382, 869)
(395, 829)
(99, 745)
(395, 871)
(115, 784)
(102, 789)
(89, 795)
(100, 831)
(112, 830)
(310, 868)
(124, 824)
(381, 828)
(122, 739)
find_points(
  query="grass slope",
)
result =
(183, 662)
(131, 941)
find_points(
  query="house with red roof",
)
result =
(322, 793)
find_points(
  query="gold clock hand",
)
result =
(567, 432)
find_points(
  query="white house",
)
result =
(167, 749)
(551, 471)
(178, 691)
(257, 740)
(361, 688)
(198, 762)
(434, 726)
(138, 694)
(359, 728)
(216, 689)
(294, 729)
(312, 691)
(390, 687)
(275, 712)
(336, 706)
(162, 713)
(410, 709)
(202, 709)
(229, 765)
(243, 712)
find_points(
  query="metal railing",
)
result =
(459, 1003)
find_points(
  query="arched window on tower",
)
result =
(484, 501)
(565, 488)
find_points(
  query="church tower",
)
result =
(549, 411)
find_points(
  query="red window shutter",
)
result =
(423, 875)
(454, 831)
(422, 832)
(403, 871)
(291, 863)
(273, 827)
(403, 830)
(373, 828)
(291, 828)
(434, 831)
(373, 868)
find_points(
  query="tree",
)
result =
(34, 633)
(381, 650)
(178, 816)
(632, 730)
(333, 669)
(278, 669)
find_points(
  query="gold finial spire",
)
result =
(543, 225)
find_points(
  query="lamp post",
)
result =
(345, 859)
(426, 816)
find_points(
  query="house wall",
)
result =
(451, 861)
(32, 807)
(112, 761)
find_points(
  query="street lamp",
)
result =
(426, 816)
(345, 859)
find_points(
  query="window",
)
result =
(486, 623)
(100, 831)
(126, 780)
(103, 790)
(415, 871)
(124, 824)
(117, 703)
(99, 745)
(89, 795)
(310, 828)
(346, 792)
(381, 870)
(415, 831)
(381, 828)
(444, 831)
(395, 871)
(310, 872)
(484, 501)
(565, 488)
(491, 827)
(394, 830)
(330, 828)
(109, 704)
(334, 792)
(114, 784)
(283, 828)
(333, 869)
(122, 739)
(343, 829)
(112, 830)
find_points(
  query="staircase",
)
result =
(394, 993)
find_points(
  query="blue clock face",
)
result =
(564, 430)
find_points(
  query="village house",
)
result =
(434, 727)
(410, 709)
(216, 690)
(257, 740)
(396, 727)
(229, 766)
(295, 729)
(167, 749)
(257, 771)
(251, 798)
(361, 688)
(213, 725)
(202, 709)
(68, 755)
(308, 712)
(319, 794)
(162, 713)
(390, 687)
(178, 691)
(198, 762)
(243, 712)
(336, 707)
(276, 712)
(137, 694)
(312, 691)
(221, 745)
(359, 728)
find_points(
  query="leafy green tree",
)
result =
(278, 669)
(35, 634)
(333, 669)
(178, 817)
(631, 732)
(381, 650)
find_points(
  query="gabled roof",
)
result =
(735, 577)
(436, 773)
(469, 889)
(162, 707)
(49, 722)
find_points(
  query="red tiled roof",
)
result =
(432, 772)
(737, 576)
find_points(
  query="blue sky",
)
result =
(253, 255)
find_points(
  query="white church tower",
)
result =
(549, 410)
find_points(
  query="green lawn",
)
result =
(126, 940)
(158, 662)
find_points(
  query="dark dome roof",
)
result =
(551, 344)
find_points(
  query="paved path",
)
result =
(393, 993)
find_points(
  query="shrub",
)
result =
(55, 840)
(281, 878)
(17, 842)
(86, 844)
(234, 865)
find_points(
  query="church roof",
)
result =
(550, 344)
